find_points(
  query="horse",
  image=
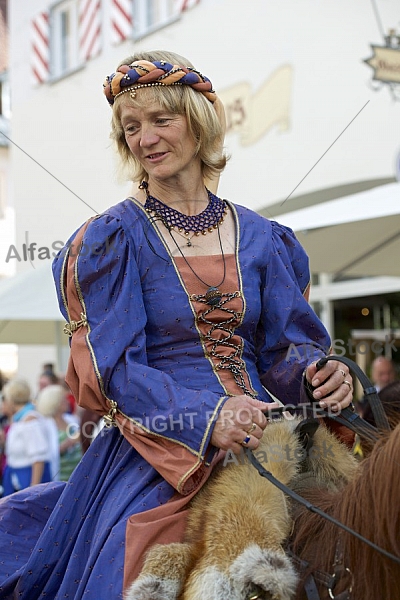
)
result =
(245, 539)
(369, 505)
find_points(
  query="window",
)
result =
(149, 15)
(5, 112)
(64, 38)
(4, 96)
(3, 201)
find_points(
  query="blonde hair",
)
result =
(202, 119)
(17, 391)
(49, 400)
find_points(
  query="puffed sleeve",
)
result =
(100, 291)
(290, 335)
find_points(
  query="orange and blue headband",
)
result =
(143, 73)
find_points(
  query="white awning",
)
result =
(29, 312)
(357, 235)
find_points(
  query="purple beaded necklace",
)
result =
(206, 221)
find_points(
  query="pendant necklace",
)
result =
(213, 295)
(185, 235)
(205, 222)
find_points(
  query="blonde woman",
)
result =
(27, 447)
(52, 403)
(184, 310)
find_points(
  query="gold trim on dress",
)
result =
(113, 404)
(109, 418)
(62, 283)
(72, 326)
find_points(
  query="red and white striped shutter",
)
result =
(186, 4)
(121, 20)
(40, 60)
(89, 29)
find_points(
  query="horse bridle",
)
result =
(347, 416)
(353, 421)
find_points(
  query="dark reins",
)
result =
(354, 422)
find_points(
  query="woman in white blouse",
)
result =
(27, 448)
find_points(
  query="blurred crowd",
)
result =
(43, 435)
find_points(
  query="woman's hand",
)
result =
(333, 383)
(241, 423)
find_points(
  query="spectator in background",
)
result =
(72, 407)
(383, 372)
(47, 376)
(52, 402)
(52, 438)
(390, 398)
(5, 416)
(27, 448)
(4, 425)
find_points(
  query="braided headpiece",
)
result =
(143, 73)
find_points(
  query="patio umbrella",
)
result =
(353, 236)
(29, 312)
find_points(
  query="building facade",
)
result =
(308, 108)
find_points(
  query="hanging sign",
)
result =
(252, 114)
(386, 64)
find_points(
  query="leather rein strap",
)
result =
(347, 416)
(354, 422)
(312, 508)
(370, 394)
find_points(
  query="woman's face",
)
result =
(160, 141)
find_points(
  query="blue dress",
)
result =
(139, 346)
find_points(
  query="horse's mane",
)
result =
(369, 504)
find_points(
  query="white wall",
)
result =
(64, 126)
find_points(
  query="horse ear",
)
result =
(306, 430)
